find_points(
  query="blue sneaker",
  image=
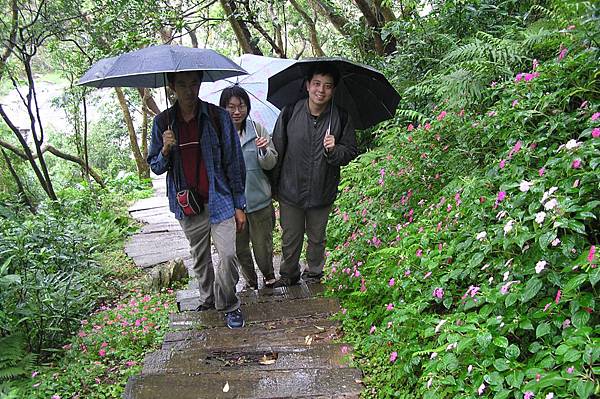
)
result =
(235, 319)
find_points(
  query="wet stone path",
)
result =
(289, 348)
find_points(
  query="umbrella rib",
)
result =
(375, 96)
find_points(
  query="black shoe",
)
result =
(309, 277)
(234, 319)
(270, 283)
(204, 307)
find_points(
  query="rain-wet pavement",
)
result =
(289, 348)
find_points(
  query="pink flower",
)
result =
(481, 389)
(392, 282)
(441, 116)
(501, 196)
(410, 128)
(514, 103)
(595, 116)
(590, 257)
(419, 252)
(519, 77)
(55, 396)
(372, 330)
(472, 291)
(427, 275)
(438, 293)
(492, 113)
(516, 148)
(576, 164)
(390, 306)
(541, 171)
(570, 370)
(461, 113)
(104, 344)
(535, 64)
(407, 272)
(528, 395)
(557, 298)
(393, 357)
(502, 163)
(344, 349)
(427, 126)
(596, 132)
(493, 84)
(562, 53)
(102, 352)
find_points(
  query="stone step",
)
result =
(188, 299)
(262, 337)
(148, 250)
(258, 312)
(249, 384)
(195, 361)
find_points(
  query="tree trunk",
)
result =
(314, 39)
(385, 11)
(375, 21)
(239, 28)
(10, 43)
(338, 21)
(53, 151)
(276, 45)
(21, 189)
(140, 161)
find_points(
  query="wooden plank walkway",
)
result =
(289, 348)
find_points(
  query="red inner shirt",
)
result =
(191, 154)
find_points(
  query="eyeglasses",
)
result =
(241, 108)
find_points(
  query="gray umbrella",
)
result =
(362, 91)
(148, 67)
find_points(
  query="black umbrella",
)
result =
(148, 67)
(362, 91)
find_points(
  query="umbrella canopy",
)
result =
(148, 67)
(362, 91)
(259, 70)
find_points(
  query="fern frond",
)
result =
(14, 359)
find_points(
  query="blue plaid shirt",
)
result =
(226, 177)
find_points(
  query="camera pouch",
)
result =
(190, 202)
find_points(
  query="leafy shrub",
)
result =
(465, 248)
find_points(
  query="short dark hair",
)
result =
(324, 68)
(235, 91)
(171, 76)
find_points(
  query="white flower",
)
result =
(572, 144)
(525, 186)
(550, 395)
(505, 275)
(439, 326)
(552, 190)
(481, 235)
(539, 217)
(451, 346)
(540, 266)
(501, 214)
(469, 369)
(433, 355)
(491, 279)
(508, 226)
(429, 382)
(555, 242)
(481, 389)
(551, 204)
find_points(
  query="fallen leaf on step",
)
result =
(308, 340)
(266, 360)
(226, 387)
(320, 328)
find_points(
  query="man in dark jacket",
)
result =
(313, 141)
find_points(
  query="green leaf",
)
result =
(511, 299)
(502, 394)
(584, 389)
(595, 276)
(575, 282)
(526, 324)
(501, 364)
(512, 352)
(580, 318)
(572, 355)
(484, 339)
(546, 238)
(531, 289)
(515, 379)
(542, 329)
(501, 341)
(476, 259)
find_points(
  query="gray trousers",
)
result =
(294, 223)
(259, 231)
(219, 287)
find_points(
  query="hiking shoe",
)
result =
(309, 277)
(284, 283)
(270, 283)
(204, 307)
(235, 319)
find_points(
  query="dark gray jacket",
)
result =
(307, 175)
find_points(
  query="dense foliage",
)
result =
(465, 247)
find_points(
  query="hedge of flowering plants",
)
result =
(466, 248)
(108, 348)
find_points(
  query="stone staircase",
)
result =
(288, 349)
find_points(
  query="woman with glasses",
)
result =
(259, 155)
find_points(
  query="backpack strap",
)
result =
(213, 112)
